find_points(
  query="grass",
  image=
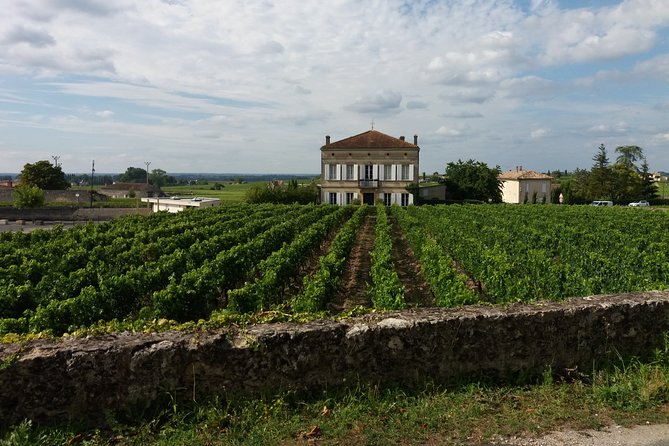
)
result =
(230, 193)
(627, 393)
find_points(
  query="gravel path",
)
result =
(649, 435)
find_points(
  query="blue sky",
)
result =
(255, 85)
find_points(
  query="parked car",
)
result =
(639, 203)
(601, 203)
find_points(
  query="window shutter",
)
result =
(356, 172)
(393, 172)
(411, 168)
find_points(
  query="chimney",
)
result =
(415, 140)
(401, 138)
(327, 139)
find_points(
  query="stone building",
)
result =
(367, 168)
(525, 186)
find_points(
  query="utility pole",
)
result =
(148, 163)
(55, 160)
(92, 173)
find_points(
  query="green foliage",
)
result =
(158, 177)
(321, 285)
(386, 290)
(447, 284)
(277, 192)
(133, 175)
(44, 175)
(27, 196)
(621, 183)
(473, 180)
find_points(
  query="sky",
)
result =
(254, 86)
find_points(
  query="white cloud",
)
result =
(253, 76)
(381, 102)
(447, 131)
(539, 133)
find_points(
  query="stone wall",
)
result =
(127, 373)
(69, 213)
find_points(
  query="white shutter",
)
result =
(326, 167)
(356, 172)
(376, 172)
(410, 198)
(355, 195)
(381, 172)
(338, 172)
(411, 167)
(393, 172)
(341, 198)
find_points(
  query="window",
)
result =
(349, 171)
(332, 171)
(387, 199)
(405, 171)
(349, 197)
(369, 172)
(387, 172)
(405, 199)
(333, 197)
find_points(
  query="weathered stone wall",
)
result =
(83, 378)
(69, 214)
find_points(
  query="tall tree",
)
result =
(628, 155)
(133, 175)
(158, 177)
(473, 180)
(598, 182)
(44, 175)
(648, 187)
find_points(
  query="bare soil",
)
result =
(417, 292)
(353, 288)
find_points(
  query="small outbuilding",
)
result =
(525, 186)
(176, 204)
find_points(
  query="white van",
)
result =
(601, 203)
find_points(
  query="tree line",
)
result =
(627, 179)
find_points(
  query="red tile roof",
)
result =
(523, 175)
(370, 139)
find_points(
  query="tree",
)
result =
(599, 181)
(628, 155)
(158, 177)
(648, 186)
(44, 175)
(133, 175)
(279, 193)
(473, 180)
(626, 185)
(28, 196)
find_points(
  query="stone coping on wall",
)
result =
(127, 373)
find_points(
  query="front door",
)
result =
(368, 198)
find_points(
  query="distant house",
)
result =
(659, 176)
(175, 204)
(525, 186)
(367, 168)
(8, 184)
(130, 190)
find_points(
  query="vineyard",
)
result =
(248, 259)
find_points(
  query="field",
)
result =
(230, 193)
(239, 260)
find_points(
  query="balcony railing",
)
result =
(368, 184)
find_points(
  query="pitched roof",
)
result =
(129, 186)
(370, 139)
(523, 175)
